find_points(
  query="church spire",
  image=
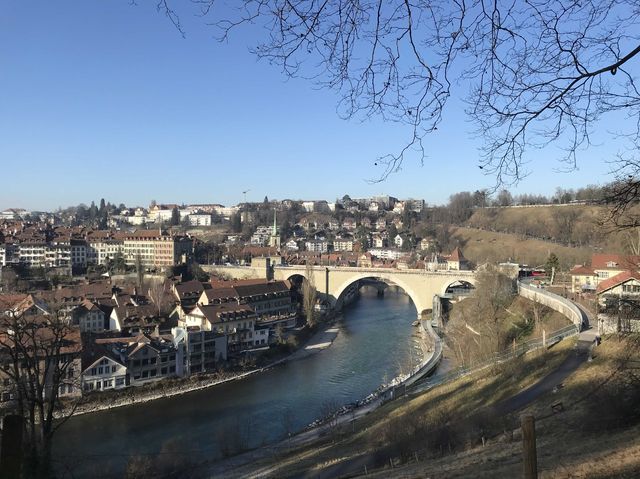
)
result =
(275, 226)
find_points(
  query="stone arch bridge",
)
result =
(421, 286)
(332, 281)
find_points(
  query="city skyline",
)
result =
(108, 100)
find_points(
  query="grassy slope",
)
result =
(463, 396)
(487, 246)
(525, 224)
(571, 444)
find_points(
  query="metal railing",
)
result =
(510, 353)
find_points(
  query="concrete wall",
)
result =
(555, 302)
(235, 272)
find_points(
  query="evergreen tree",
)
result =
(236, 223)
(552, 263)
(93, 212)
(175, 217)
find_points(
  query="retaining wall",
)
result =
(555, 302)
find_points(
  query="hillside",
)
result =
(569, 225)
(482, 246)
(593, 434)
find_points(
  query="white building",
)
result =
(386, 253)
(199, 219)
(225, 211)
(291, 245)
(317, 246)
(102, 370)
(309, 206)
(89, 317)
(343, 244)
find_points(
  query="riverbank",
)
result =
(166, 388)
(332, 424)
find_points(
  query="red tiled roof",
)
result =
(456, 255)
(581, 270)
(616, 280)
(600, 261)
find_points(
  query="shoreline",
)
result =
(228, 467)
(320, 341)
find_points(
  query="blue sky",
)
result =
(101, 99)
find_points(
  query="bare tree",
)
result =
(309, 294)
(157, 291)
(632, 241)
(39, 355)
(139, 272)
(533, 73)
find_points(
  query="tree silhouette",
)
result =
(532, 73)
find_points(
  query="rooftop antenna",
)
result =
(245, 194)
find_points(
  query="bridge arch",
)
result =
(387, 278)
(455, 281)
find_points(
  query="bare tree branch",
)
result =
(534, 73)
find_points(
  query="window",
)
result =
(152, 361)
(113, 369)
(163, 370)
(172, 369)
(119, 381)
(93, 371)
(145, 361)
(136, 362)
(630, 288)
(100, 370)
(153, 372)
(98, 384)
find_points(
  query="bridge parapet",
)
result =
(555, 302)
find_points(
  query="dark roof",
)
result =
(219, 313)
(189, 289)
(92, 352)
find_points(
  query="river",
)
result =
(374, 344)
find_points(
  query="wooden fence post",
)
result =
(11, 453)
(530, 460)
